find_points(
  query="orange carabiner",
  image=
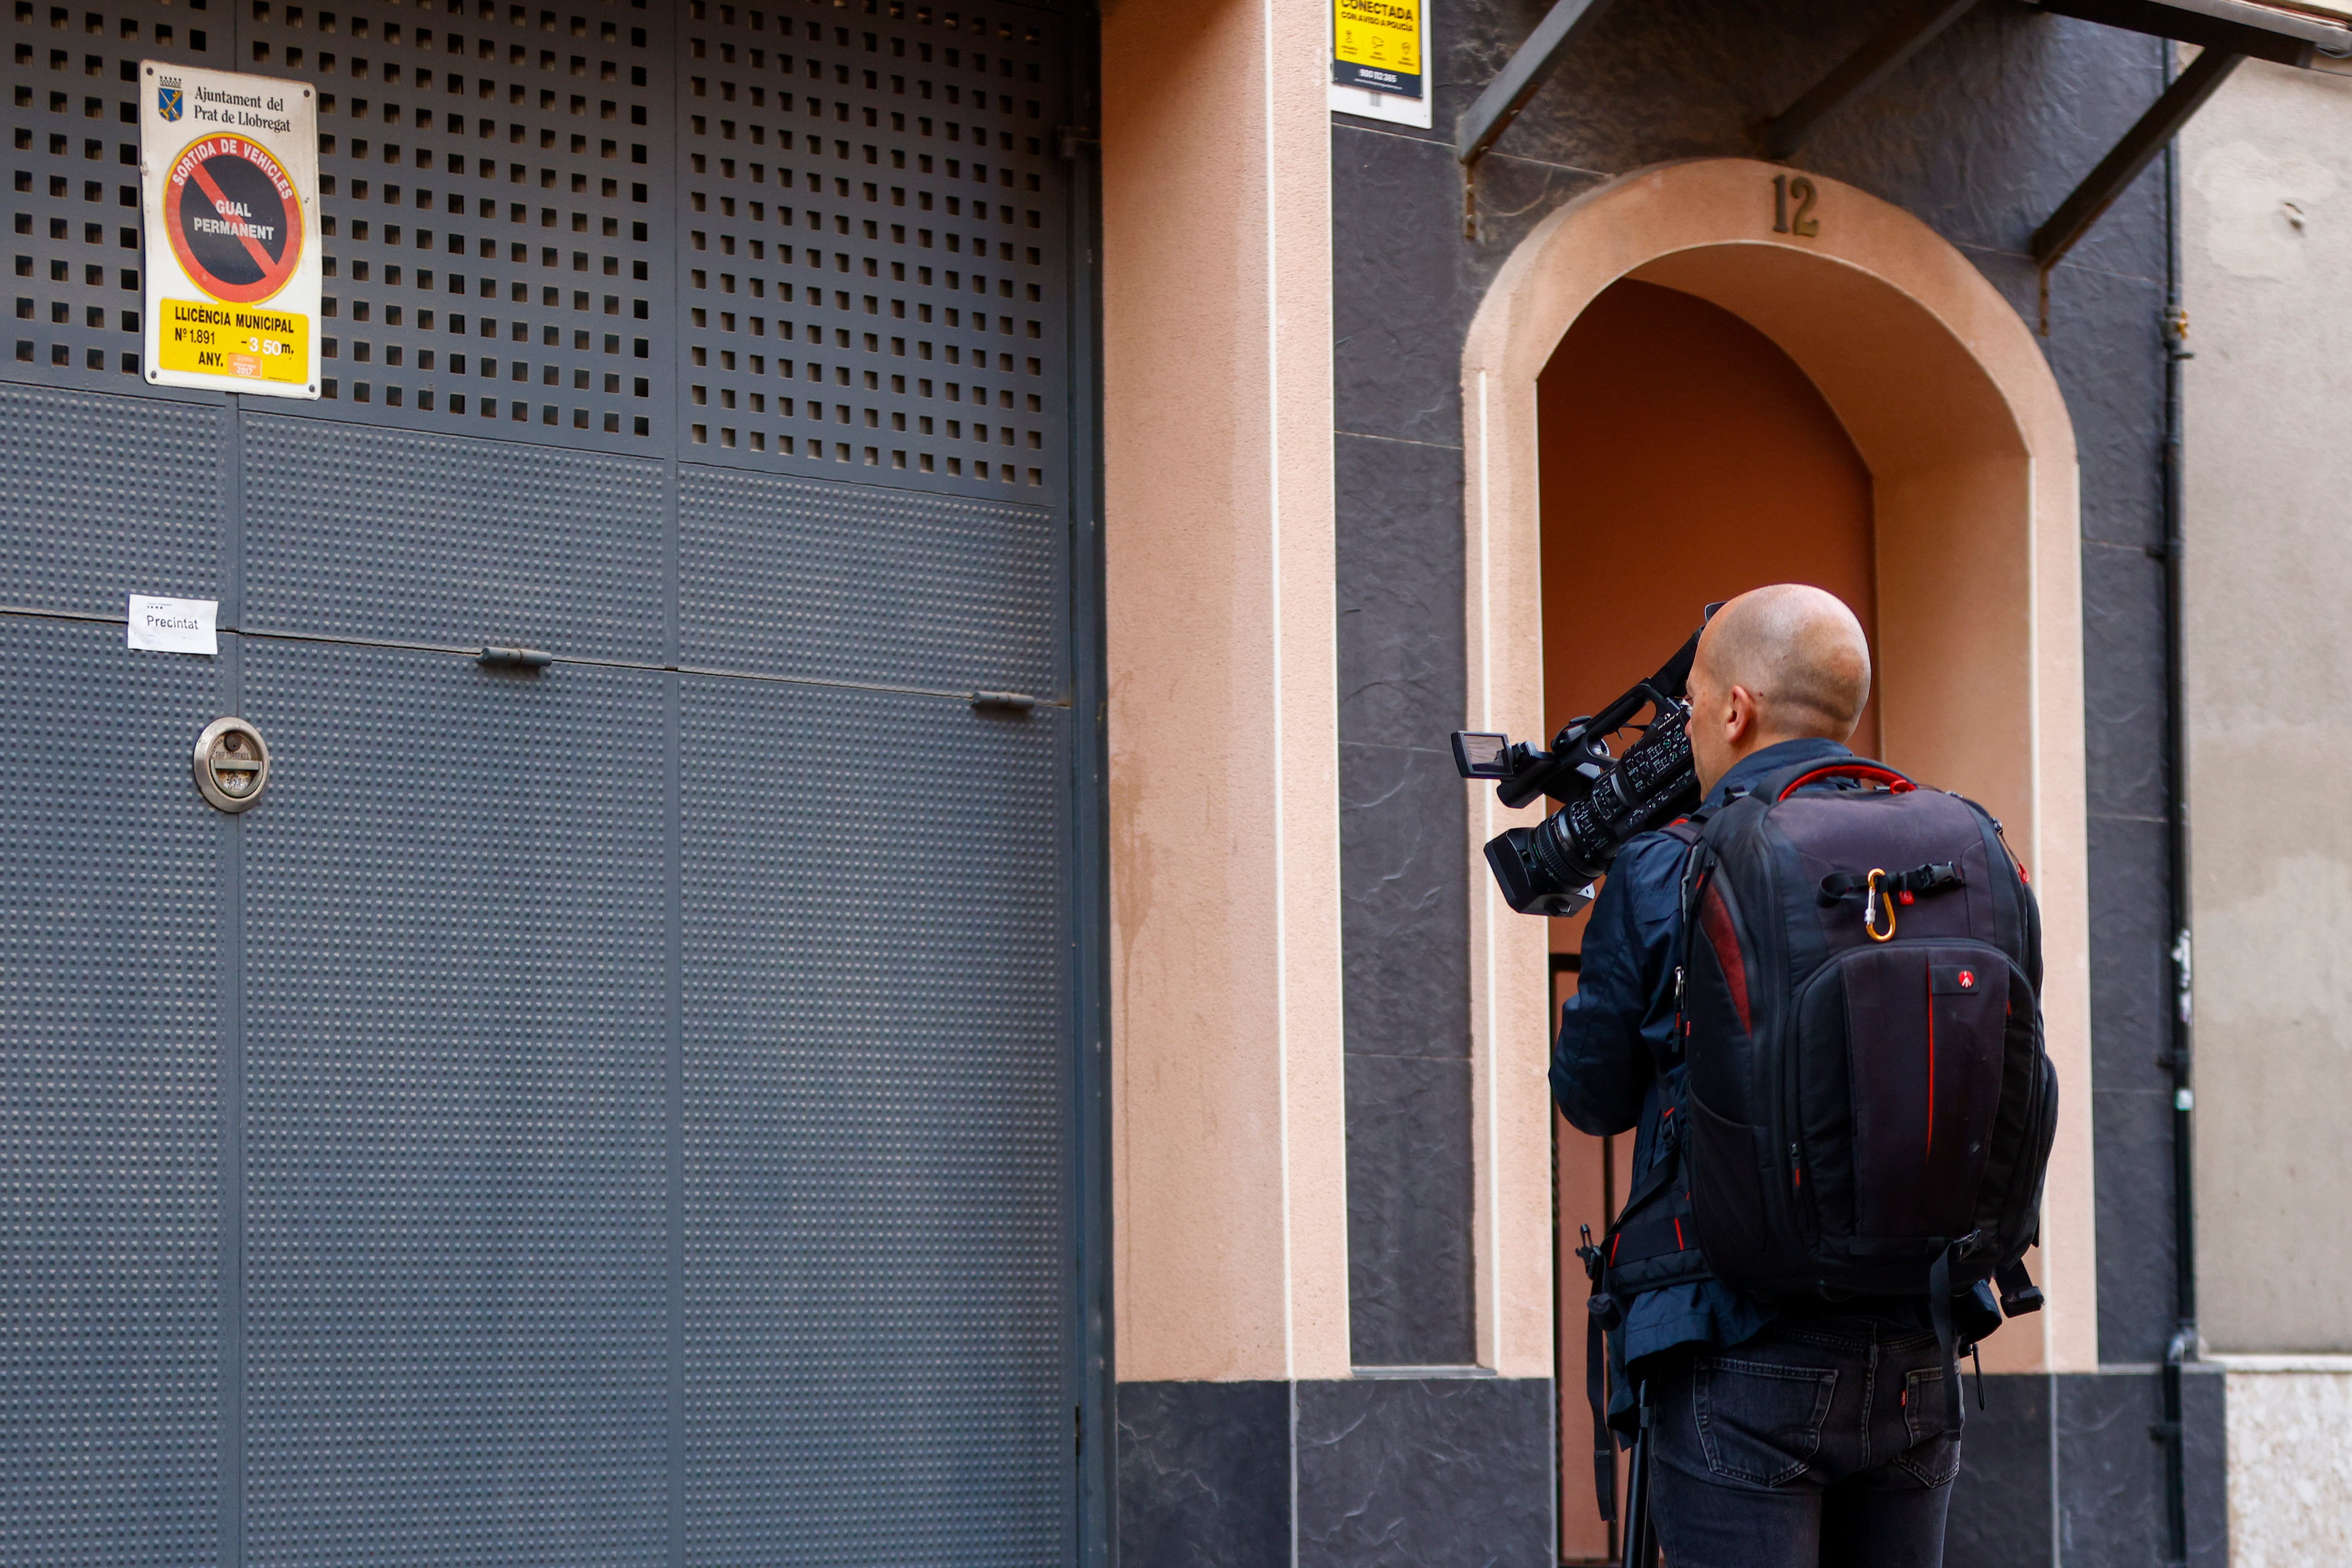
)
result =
(1871, 906)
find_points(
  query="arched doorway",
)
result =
(1685, 458)
(1942, 393)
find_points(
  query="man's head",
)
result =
(1784, 663)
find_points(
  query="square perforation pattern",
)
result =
(871, 262)
(859, 269)
(495, 249)
(76, 255)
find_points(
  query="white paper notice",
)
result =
(174, 626)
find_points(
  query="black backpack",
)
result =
(1867, 1107)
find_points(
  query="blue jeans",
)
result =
(1818, 1442)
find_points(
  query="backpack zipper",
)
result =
(1804, 1203)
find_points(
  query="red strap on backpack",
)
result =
(1895, 782)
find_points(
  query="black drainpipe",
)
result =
(2182, 1349)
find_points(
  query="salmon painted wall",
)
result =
(1686, 458)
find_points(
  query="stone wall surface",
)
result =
(2290, 1434)
(2266, 245)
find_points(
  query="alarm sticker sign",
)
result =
(1377, 48)
(230, 167)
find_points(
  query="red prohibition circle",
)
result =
(239, 235)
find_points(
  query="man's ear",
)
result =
(1742, 719)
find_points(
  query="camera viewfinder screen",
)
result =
(1480, 755)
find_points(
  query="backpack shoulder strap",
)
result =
(1685, 831)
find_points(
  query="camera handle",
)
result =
(1581, 750)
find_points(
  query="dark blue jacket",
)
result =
(1602, 1071)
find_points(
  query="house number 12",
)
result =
(1802, 191)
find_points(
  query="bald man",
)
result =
(1785, 1434)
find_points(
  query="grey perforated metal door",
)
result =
(628, 1111)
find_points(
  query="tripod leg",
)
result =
(1640, 1543)
(1646, 1544)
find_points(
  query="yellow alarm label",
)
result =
(1384, 35)
(240, 342)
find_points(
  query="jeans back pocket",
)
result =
(1760, 1422)
(1934, 1456)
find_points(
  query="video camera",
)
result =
(1604, 799)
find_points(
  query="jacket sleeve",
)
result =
(1623, 1006)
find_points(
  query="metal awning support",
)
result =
(2227, 32)
(1531, 68)
(1888, 48)
(2280, 34)
(2140, 146)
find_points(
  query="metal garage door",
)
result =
(623, 1112)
